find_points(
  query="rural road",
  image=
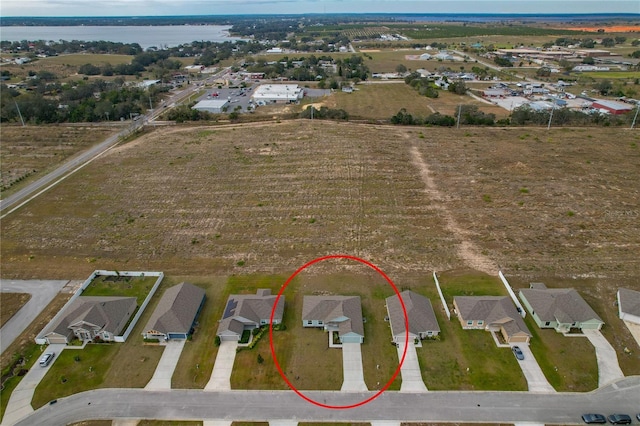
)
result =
(32, 190)
(242, 405)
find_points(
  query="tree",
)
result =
(401, 69)
(88, 69)
(608, 42)
(458, 87)
(604, 87)
(588, 60)
(587, 43)
(260, 359)
(543, 72)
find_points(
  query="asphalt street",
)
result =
(450, 406)
(42, 292)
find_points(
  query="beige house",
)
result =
(559, 308)
(420, 315)
(492, 313)
(91, 317)
(247, 312)
(342, 314)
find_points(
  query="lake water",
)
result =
(159, 36)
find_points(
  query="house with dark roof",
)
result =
(91, 317)
(629, 305)
(247, 312)
(420, 315)
(559, 308)
(342, 314)
(176, 313)
(492, 313)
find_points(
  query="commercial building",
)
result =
(277, 94)
(215, 106)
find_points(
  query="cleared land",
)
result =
(29, 152)
(554, 206)
(11, 303)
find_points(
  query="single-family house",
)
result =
(559, 308)
(91, 317)
(420, 315)
(342, 314)
(492, 313)
(629, 305)
(247, 312)
(176, 313)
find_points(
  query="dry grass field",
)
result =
(11, 303)
(29, 152)
(557, 206)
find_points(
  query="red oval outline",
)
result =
(406, 327)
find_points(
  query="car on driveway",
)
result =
(518, 352)
(46, 359)
(619, 419)
(594, 418)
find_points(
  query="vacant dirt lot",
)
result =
(11, 303)
(28, 152)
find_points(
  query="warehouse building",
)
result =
(214, 106)
(277, 94)
(612, 107)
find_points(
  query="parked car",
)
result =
(594, 418)
(638, 416)
(46, 359)
(518, 352)
(619, 419)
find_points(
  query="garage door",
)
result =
(56, 339)
(177, 336)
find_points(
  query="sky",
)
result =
(226, 7)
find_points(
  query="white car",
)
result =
(46, 359)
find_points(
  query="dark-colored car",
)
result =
(518, 352)
(619, 419)
(594, 418)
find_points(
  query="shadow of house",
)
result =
(492, 313)
(342, 314)
(176, 313)
(248, 312)
(559, 308)
(420, 315)
(91, 317)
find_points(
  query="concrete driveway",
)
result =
(536, 380)
(608, 367)
(42, 292)
(410, 370)
(161, 379)
(221, 375)
(19, 404)
(352, 368)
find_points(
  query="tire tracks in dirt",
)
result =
(467, 251)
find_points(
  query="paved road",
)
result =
(252, 406)
(42, 292)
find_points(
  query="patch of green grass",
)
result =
(568, 363)
(138, 287)
(87, 374)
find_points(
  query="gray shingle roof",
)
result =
(419, 313)
(629, 301)
(564, 305)
(176, 310)
(105, 312)
(493, 310)
(253, 307)
(332, 308)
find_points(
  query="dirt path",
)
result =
(466, 250)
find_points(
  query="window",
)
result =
(309, 322)
(480, 322)
(320, 322)
(469, 322)
(547, 324)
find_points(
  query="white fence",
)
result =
(40, 339)
(523, 313)
(444, 302)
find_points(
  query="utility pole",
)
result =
(19, 113)
(551, 115)
(312, 112)
(459, 112)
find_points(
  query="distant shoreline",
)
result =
(179, 20)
